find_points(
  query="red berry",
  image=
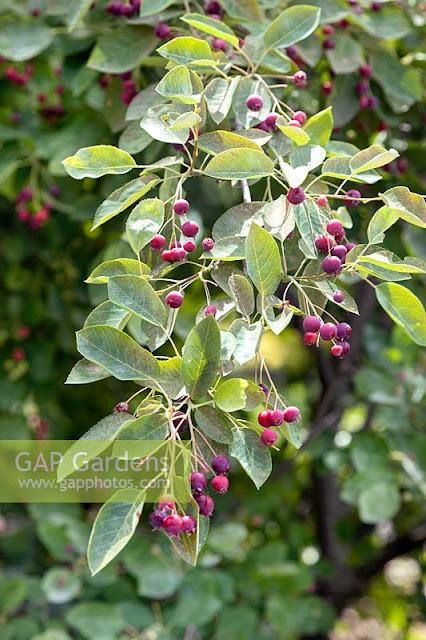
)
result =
(312, 323)
(276, 418)
(207, 244)
(210, 310)
(157, 242)
(299, 79)
(362, 87)
(198, 481)
(336, 350)
(300, 116)
(328, 30)
(122, 407)
(291, 414)
(345, 346)
(220, 484)
(338, 296)
(189, 524)
(205, 504)
(331, 264)
(190, 229)
(326, 88)
(294, 123)
(181, 207)
(263, 418)
(162, 31)
(214, 8)
(268, 437)
(189, 246)
(174, 299)
(296, 195)
(177, 254)
(324, 243)
(254, 102)
(328, 331)
(220, 464)
(365, 70)
(219, 44)
(173, 525)
(23, 332)
(18, 355)
(343, 330)
(334, 227)
(364, 103)
(352, 198)
(322, 201)
(310, 338)
(167, 255)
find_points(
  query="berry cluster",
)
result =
(166, 518)
(29, 211)
(117, 8)
(274, 418)
(339, 334)
(129, 87)
(332, 241)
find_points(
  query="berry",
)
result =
(294, 123)
(350, 195)
(312, 323)
(345, 346)
(268, 437)
(343, 330)
(276, 418)
(210, 310)
(326, 88)
(173, 525)
(205, 505)
(271, 121)
(24, 215)
(292, 52)
(174, 299)
(181, 207)
(328, 331)
(55, 191)
(175, 244)
(328, 30)
(177, 255)
(167, 255)
(339, 237)
(157, 242)
(340, 251)
(220, 464)
(254, 102)
(219, 44)
(214, 8)
(373, 102)
(189, 524)
(164, 503)
(322, 201)
(324, 243)
(156, 519)
(22, 332)
(189, 246)
(18, 355)
(350, 246)
(162, 31)
(336, 350)
(220, 484)
(310, 338)
(207, 244)
(190, 229)
(263, 127)
(376, 6)
(334, 227)
(331, 264)
(179, 420)
(264, 388)
(122, 407)
(198, 482)
(291, 414)
(24, 195)
(328, 44)
(365, 71)
(296, 195)
(263, 418)
(338, 296)
(300, 116)
(300, 79)
(364, 102)
(362, 87)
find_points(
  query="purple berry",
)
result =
(174, 299)
(156, 519)
(214, 8)
(162, 31)
(205, 505)
(312, 323)
(300, 79)
(352, 198)
(220, 484)
(220, 464)
(340, 251)
(181, 207)
(331, 264)
(254, 102)
(198, 481)
(334, 227)
(189, 524)
(210, 310)
(343, 330)
(328, 44)
(338, 296)
(300, 116)
(268, 437)
(219, 44)
(350, 246)
(328, 331)
(173, 525)
(276, 418)
(324, 243)
(190, 229)
(292, 52)
(345, 346)
(157, 242)
(296, 195)
(365, 71)
(189, 246)
(207, 244)
(271, 121)
(122, 407)
(264, 388)
(179, 420)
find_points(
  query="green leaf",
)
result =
(144, 100)
(299, 136)
(118, 267)
(246, 10)
(95, 620)
(347, 56)
(135, 294)
(243, 294)
(379, 503)
(94, 162)
(156, 122)
(219, 141)
(279, 217)
(150, 7)
(114, 526)
(59, 586)
(320, 127)
(98, 438)
(117, 353)
(277, 323)
(211, 26)
(237, 221)
(152, 426)
(387, 24)
(379, 223)
(78, 12)
(408, 206)
(218, 95)
(328, 288)
(186, 121)
(291, 26)
(389, 260)
(338, 167)
(188, 51)
(133, 139)
(240, 164)
(401, 84)
(248, 340)
(238, 394)
(122, 198)
(263, 260)
(85, 372)
(181, 84)
(371, 158)
(122, 49)
(21, 41)
(107, 313)
(214, 424)
(405, 309)
(201, 357)
(252, 455)
(310, 224)
(144, 222)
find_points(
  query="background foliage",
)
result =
(313, 546)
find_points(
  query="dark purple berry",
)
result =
(162, 31)
(352, 198)
(205, 504)
(207, 244)
(181, 207)
(296, 195)
(324, 243)
(334, 227)
(198, 481)
(328, 44)
(365, 71)
(345, 346)
(179, 420)
(264, 388)
(350, 246)
(156, 519)
(340, 251)
(174, 299)
(220, 464)
(331, 264)
(254, 102)
(344, 331)
(328, 331)
(122, 407)
(189, 524)
(338, 296)
(190, 229)
(312, 324)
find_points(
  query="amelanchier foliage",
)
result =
(221, 109)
